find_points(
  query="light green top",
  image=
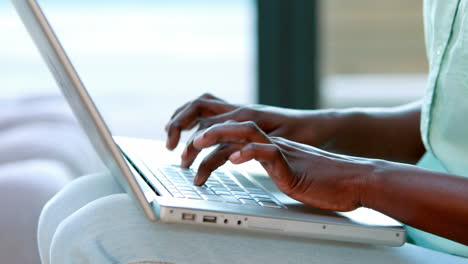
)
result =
(444, 122)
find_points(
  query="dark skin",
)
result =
(299, 151)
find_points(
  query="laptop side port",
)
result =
(209, 219)
(188, 217)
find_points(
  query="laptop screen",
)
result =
(80, 101)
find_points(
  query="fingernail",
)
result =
(196, 180)
(197, 140)
(235, 156)
(184, 154)
(184, 164)
(168, 145)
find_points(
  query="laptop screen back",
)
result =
(78, 97)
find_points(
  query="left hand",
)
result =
(318, 178)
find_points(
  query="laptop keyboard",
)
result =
(220, 187)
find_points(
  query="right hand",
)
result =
(314, 128)
(315, 177)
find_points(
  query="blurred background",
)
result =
(141, 59)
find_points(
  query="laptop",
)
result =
(231, 198)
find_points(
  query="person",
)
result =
(330, 159)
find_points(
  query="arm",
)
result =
(383, 133)
(431, 201)
(386, 133)
(427, 200)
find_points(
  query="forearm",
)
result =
(430, 201)
(383, 133)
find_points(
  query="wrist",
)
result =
(328, 125)
(370, 190)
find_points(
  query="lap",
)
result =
(112, 229)
(70, 199)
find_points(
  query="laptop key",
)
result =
(260, 196)
(194, 197)
(207, 191)
(200, 187)
(230, 199)
(235, 189)
(215, 185)
(240, 193)
(186, 193)
(262, 199)
(248, 202)
(219, 189)
(178, 195)
(212, 197)
(223, 193)
(243, 197)
(229, 183)
(269, 204)
(255, 191)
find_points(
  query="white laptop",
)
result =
(165, 192)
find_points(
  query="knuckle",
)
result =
(242, 111)
(230, 122)
(218, 126)
(275, 151)
(252, 147)
(222, 148)
(206, 95)
(205, 123)
(251, 126)
(196, 104)
(246, 113)
(175, 125)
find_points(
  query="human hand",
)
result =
(309, 127)
(307, 174)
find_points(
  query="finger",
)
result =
(239, 114)
(214, 160)
(231, 132)
(210, 96)
(269, 155)
(203, 96)
(277, 132)
(188, 118)
(288, 144)
(184, 106)
(190, 153)
(176, 112)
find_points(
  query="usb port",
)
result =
(209, 219)
(188, 217)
